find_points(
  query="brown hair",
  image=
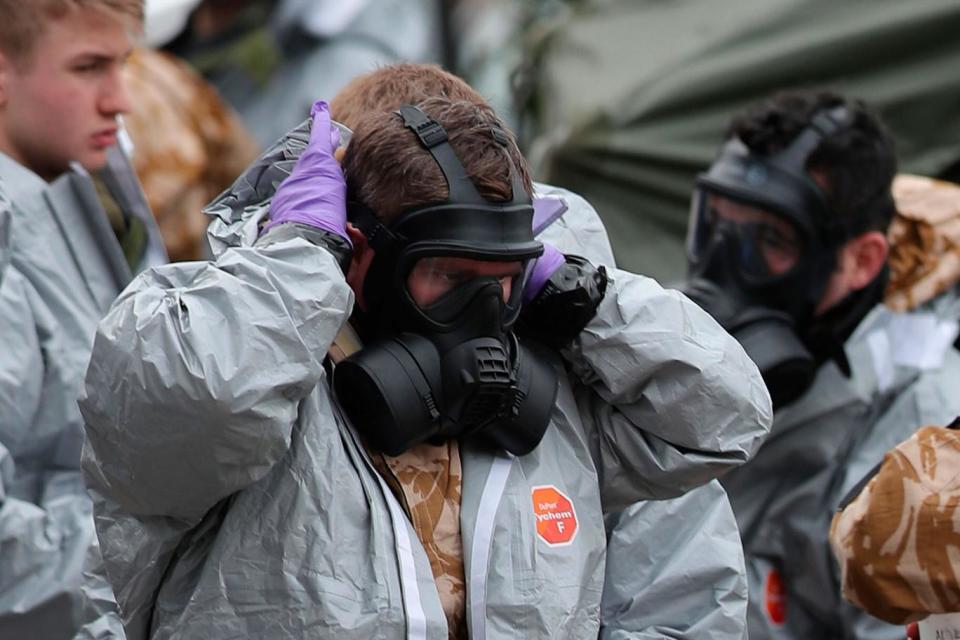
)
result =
(389, 87)
(389, 171)
(23, 21)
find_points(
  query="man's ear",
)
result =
(360, 261)
(859, 261)
(867, 253)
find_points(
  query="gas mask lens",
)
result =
(762, 244)
(432, 281)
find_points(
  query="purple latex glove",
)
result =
(545, 266)
(315, 193)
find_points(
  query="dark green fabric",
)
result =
(245, 50)
(634, 96)
(130, 230)
(255, 53)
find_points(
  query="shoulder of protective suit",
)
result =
(238, 212)
(899, 344)
(577, 229)
(924, 241)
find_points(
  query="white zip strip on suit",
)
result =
(412, 602)
(482, 538)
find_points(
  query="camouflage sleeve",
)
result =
(894, 538)
(924, 241)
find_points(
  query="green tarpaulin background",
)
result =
(632, 97)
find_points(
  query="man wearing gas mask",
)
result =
(248, 484)
(645, 556)
(788, 251)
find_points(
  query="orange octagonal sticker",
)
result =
(556, 516)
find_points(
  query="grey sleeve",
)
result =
(669, 399)
(197, 371)
(675, 569)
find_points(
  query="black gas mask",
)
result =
(453, 366)
(762, 244)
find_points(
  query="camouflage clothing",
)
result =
(924, 241)
(897, 542)
(427, 481)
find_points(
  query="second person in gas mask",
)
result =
(788, 251)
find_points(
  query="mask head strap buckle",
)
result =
(434, 139)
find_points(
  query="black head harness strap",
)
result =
(823, 124)
(466, 217)
(434, 139)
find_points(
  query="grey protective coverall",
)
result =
(60, 269)
(904, 376)
(234, 499)
(675, 567)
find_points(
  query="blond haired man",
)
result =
(73, 228)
